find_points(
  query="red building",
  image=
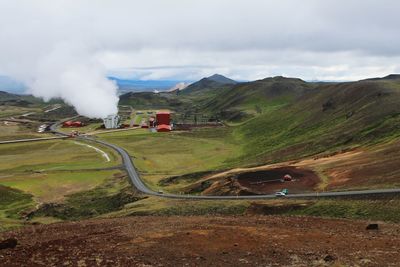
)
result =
(163, 117)
(163, 128)
(72, 124)
(163, 120)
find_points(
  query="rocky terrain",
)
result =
(205, 241)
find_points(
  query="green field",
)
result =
(160, 155)
(52, 155)
(6, 110)
(13, 131)
(48, 172)
(85, 129)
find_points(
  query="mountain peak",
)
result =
(221, 79)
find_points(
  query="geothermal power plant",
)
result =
(161, 122)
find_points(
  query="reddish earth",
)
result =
(205, 241)
(270, 181)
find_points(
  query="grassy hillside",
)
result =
(327, 118)
(208, 85)
(250, 99)
(150, 100)
(285, 119)
(160, 155)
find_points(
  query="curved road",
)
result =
(139, 185)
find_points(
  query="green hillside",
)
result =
(329, 117)
(253, 98)
(208, 85)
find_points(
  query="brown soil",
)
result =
(375, 167)
(205, 241)
(269, 181)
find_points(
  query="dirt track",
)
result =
(205, 241)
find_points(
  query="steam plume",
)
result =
(68, 72)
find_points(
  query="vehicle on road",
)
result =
(282, 193)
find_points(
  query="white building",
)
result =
(112, 121)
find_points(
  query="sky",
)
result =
(44, 43)
(187, 40)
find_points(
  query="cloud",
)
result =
(176, 39)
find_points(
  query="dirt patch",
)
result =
(205, 241)
(270, 181)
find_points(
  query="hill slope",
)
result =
(329, 117)
(208, 85)
(256, 97)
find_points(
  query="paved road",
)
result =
(139, 185)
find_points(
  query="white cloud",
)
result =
(187, 39)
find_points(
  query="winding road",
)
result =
(140, 185)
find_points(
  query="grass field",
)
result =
(52, 155)
(6, 111)
(12, 131)
(160, 155)
(48, 172)
(53, 186)
(85, 129)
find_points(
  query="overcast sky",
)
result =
(187, 40)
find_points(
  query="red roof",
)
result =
(163, 128)
(163, 112)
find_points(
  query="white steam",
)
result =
(68, 72)
(53, 48)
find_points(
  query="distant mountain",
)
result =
(126, 85)
(17, 100)
(389, 77)
(150, 100)
(208, 84)
(221, 79)
(10, 85)
(23, 100)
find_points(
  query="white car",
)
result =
(280, 194)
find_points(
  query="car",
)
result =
(160, 192)
(280, 194)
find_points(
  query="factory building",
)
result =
(72, 124)
(112, 122)
(163, 121)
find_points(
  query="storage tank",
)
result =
(112, 122)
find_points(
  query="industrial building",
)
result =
(112, 122)
(163, 121)
(72, 124)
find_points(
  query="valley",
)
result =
(325, 137)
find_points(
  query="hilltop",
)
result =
(209, 85)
